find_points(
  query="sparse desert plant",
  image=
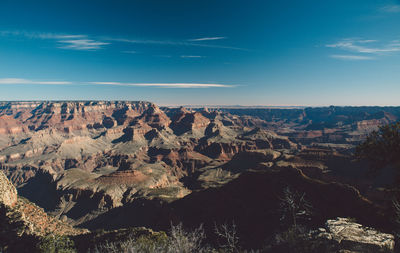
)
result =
(186, 241)
(179, 240)
(56, 244)
(294, 207)
(228, 238)
(143, 244)
(295, 240)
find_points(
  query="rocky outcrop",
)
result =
(19, 217)
(153, 117)
(344, 235)
(185, 121)
(8, 193)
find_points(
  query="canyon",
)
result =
(120, 164)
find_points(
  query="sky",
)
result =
(202, 52)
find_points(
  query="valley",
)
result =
(116, 165)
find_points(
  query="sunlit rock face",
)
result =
(8, 193)
(20, 217)
(344, 235)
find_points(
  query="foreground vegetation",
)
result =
(293, 237)
(382, 147)
(180, 240)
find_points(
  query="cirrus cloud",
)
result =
(359, 46)
(168, 85)
(26, 81)
(192, 56)
(172, 43)
(65, 41)
(93, 43)
(351, 57)
(364, 49)
(207, 38)
(12, 81)
(82, 44)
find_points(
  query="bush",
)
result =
(56, 244)
(381, 147)
(184, 242)
(299, 239)
(228, 238)
(294, 207)
(178, 241)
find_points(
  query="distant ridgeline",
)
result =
(331, 114)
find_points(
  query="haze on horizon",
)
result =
(271, 53)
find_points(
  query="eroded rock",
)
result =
(8, 193)
(343, 234)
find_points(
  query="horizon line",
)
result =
(191, 105)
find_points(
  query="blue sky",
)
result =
(209, 52)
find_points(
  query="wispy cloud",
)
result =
(26, 81)
(41, 35)
(12, 81)
(357, 46)
(393, 8)
(65, 41)
(172, 43)
(69, 37)
(163, 56)
(192, 56)
(82, 44)
(92, 43)
(351, 57)
(366, 41)
(168, 85)
(129, 52)
(365, 48)
(208, 38)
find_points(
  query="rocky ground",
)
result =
(119, 164)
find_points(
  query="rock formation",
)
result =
(20, 217)
(344, 235)
(87, 161)
(8, 193)
(108, 153)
